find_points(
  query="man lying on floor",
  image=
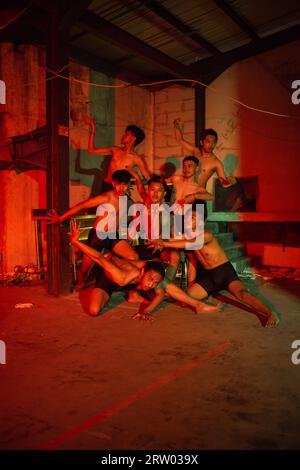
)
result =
(216, 273)
(115, 274)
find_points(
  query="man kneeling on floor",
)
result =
(142, 280)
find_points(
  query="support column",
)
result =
(199, 112)
(57, 99)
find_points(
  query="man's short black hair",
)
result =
(156, 266)
(206, 132)
(138, 133)
(191, 158)
(121, 176)
(157, 179)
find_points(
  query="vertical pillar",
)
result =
(57, 99)
(199, 112)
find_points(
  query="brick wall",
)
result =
(169, 104)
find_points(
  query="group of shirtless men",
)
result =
(140, 270)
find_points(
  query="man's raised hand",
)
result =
(75, 231)
(53, 217)
(90, 122)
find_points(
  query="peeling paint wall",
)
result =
(252, 143)
(22, 69)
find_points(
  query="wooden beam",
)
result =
(73, 12)
(212, 67)
(237, 19)
(104, 29)
(57, 107)
(104, 66)
(179, 25)
(199, 112)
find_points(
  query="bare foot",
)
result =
(204, 308)
(271, 321)
(142, 316)
(213, 301)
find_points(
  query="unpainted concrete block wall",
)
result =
(169, 104)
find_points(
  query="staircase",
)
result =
(234, 250)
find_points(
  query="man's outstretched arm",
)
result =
(91, 146)
(179, 138)
(87, 204)
(140, 186)
(142, 166)
(226, 181)
(159, 297)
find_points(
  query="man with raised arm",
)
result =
(209, 163)
(110, 199)
(124, 156)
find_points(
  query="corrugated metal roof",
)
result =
(203, 17)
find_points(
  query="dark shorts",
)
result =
(104, 283)
(95, 242)
(216, 279)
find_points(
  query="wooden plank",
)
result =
(254, 217)
(57, 102)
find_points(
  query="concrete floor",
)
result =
(64, 367)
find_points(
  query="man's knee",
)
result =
(241, 294)
(132, 256)
(94, 310)
(174, 257)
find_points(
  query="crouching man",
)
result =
(115, 274)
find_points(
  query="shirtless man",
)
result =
(154, 194)
(139, 277)
(120, 182)
(188, 188)
(208, 160)
(123, 157)
(215, 273)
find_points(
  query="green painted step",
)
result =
(216, 227)
(235, 250)
(240, 263)
(225, 239)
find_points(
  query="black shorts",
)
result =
(104, 283)
(98, 244)
(216, 279)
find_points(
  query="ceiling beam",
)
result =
(179, 25)
(73, 12)
(237, 19)
(104, 66)
(212, 67)
(98, 26)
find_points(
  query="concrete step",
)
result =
(240, 263)
(225, 239)
(234, 250)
